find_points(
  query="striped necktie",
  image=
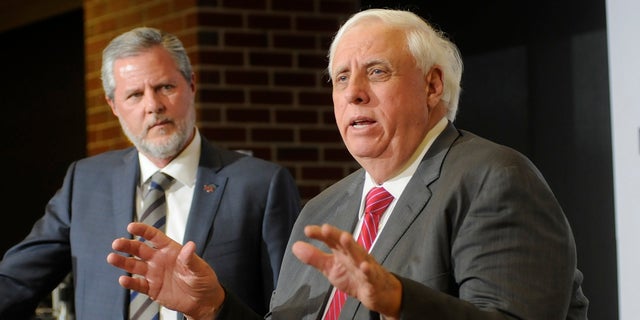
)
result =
(377, 201)
(154, 213)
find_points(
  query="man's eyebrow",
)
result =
(377, 61)
(128, 91)
(339, 70)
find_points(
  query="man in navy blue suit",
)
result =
(238, 209)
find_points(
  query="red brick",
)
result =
(210, 114)
(246, 39)
(313, 61)
(294, 41)
(208, 77)
(271, 97)
(322, 172)
(294, 79)
(337, 155)
(298, 154)
(219, 19)
(221, 57)
(292, 5)
(248, 115)
(339, 6)
(272, 135)
(309, 191)
(296, 116)
(328, 116)
(245, 4)
(315, 23)
(222, 95)
(269, 21)
(224, 134)
(158, 9)
(262, 153)
(308, 98)
(245, 77)
(319, 135)
(270, 59)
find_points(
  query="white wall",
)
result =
(623, 29)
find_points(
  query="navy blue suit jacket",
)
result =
(241, 216)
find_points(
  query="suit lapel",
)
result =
(126, 175)
(410, 205)
(345, 215)
(338, 206)
(415, 196)
(207, 195)
(206, 199)
(124, 192)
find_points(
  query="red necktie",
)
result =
(378, 199)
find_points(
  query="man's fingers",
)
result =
(187, 254)
(137, 284)
(326, 233)
(337, 240)
(131, 265)
(304, 252)
(116, 260)
(133, 247)
(152, 235)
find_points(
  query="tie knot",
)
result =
(160, 181)
(378, 199)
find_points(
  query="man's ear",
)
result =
(434, 86)
(112, 105)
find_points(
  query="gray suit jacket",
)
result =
(240, 219)
(477, 234)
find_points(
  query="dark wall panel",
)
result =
(44, 115)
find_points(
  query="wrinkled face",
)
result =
(154, 103)
(379, 95)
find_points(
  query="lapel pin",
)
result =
(209, 188)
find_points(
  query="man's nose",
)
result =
(153, 102)
(357, 91)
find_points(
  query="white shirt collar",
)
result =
(183, 168)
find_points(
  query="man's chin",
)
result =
(159, 135)
(157, 141)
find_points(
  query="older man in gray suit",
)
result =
(472, 230)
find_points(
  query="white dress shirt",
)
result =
(179, 195)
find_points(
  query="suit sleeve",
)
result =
(234, 309)
(419, 301)
(512, 251)
(282, 209)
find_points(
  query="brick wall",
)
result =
(260, 76)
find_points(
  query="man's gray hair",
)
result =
(136, 41)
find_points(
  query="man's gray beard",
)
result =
(167, 149)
